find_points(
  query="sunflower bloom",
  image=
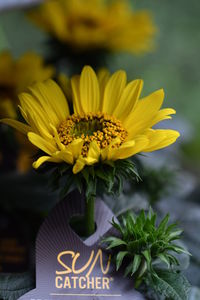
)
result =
(109, 121)
(96, 24)
(16, 75)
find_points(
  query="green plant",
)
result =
(139, 246)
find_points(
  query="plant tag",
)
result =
(68, 268)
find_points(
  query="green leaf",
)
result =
(130, 223)
(91, 188)
(143, 269)
(91, 171)
(136, 263)
(85, 175)
(119, 259)
(13, 286)
(128, 269)
(178, 249)
(164, 258)
(109, 163)
(102, 174)
(171, 227)
(78, 183)
(64, 168)
(141, 218)
(173, 259)
(54, 180)
(147, 255)
(170, 284)
(162, 226)
(119, 184)
(115, 242)
(174, 235)
(67, 187)
(117, 226)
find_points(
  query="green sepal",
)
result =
(108, 177)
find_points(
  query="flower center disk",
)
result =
(98, 127)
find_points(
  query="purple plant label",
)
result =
(68, 268)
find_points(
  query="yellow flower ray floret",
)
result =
(110, 121)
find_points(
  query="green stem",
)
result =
(89, 216)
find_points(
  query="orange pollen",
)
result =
(98, 127)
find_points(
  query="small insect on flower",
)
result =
(96, 24)
(109, 122)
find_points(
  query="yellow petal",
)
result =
(169, 137)
(79, 165)
(33, 122)
(35, 115)
(64, 155)
(163, 114)
(41, 143)
(113, 91)
(128, 100)
(143, 114)
(107, 152)
(43, 159)
(24, 115)
(56, 136)
(89, 90)
(155, 137)
(17, 125)
(103, 77)
(45, 108)
(77, 105)
(37, 126)
(29, 104)
(82, 161)
(129, 148)
(94, 151)
(52, 99)
(91, 159)
(75, 147)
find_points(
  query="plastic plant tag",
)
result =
(68, 267)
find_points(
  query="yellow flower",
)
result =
(109, 122)
(16, 75)
(96, 24)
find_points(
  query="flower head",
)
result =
(96, 24)
(109, 122)
(16, 75)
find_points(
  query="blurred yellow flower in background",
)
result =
(96, 24)
(109, 122)
(16, 75)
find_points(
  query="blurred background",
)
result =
(172, 64)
